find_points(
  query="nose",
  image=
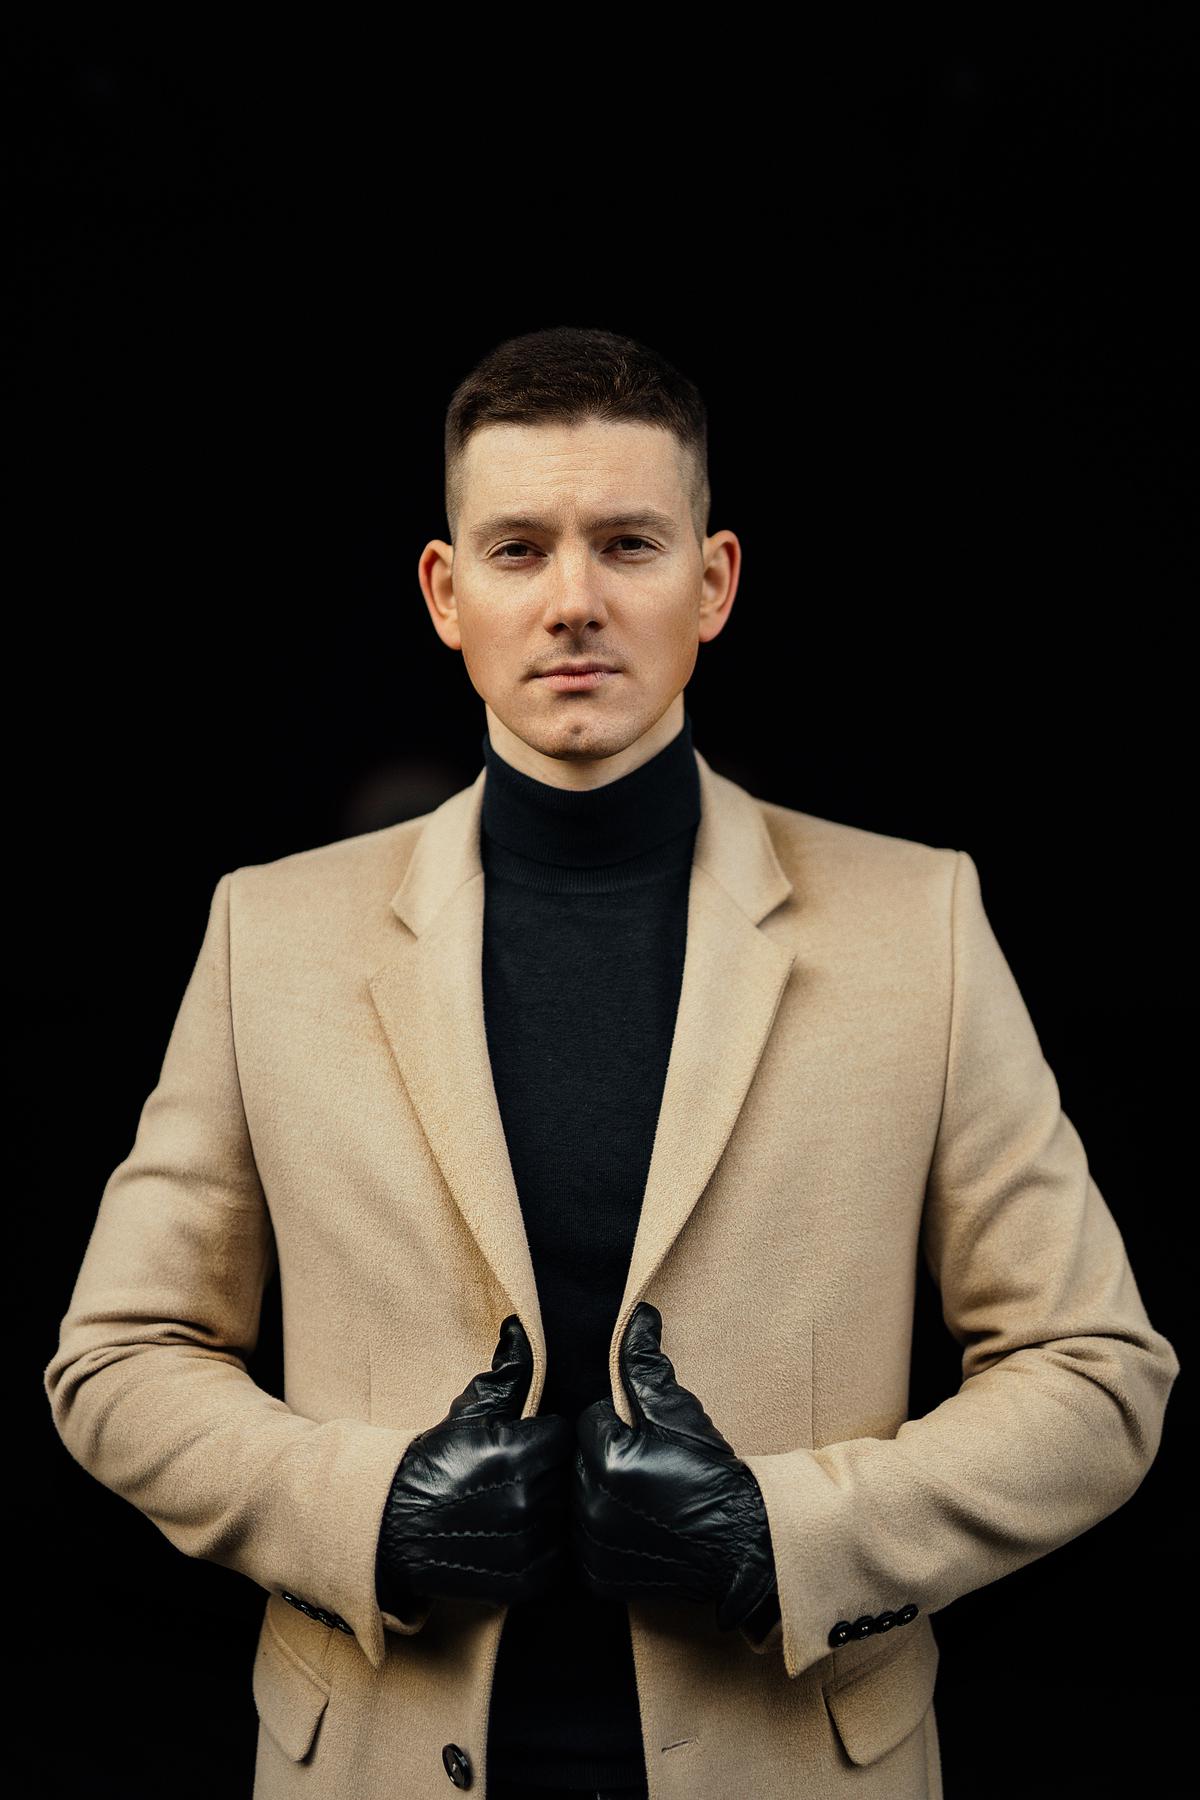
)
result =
(574, 591)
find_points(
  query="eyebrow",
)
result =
(645, 519)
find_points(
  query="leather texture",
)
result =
(666, 1506)
(486, 1478)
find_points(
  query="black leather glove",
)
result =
(666, 1506)
(478, 1507)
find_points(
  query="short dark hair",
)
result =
(568, 373)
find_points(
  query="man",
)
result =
(596, 1122)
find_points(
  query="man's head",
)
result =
(577, 497)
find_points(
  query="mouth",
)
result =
(570, 681)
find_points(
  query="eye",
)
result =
(500, 553)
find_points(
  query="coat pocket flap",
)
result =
(875, 1708)
(290, 1697)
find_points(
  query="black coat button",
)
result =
(457, 1765)
(865, 1626)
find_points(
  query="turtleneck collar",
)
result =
(592, 828)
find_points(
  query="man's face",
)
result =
(575, 543)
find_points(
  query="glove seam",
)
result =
(653, 1519)
(630, 1550)
(414, 1533)
(405, 1496)
(444, 1562)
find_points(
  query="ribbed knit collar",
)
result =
(543, 828)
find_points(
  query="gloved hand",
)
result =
(666, 1506)
(478, 1507)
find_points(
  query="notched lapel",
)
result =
(430, 1003)
(733, 981)
(429, 997)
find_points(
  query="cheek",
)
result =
(479, 664)
(684, 634)
(479, 652)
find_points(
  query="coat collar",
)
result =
(429, 996)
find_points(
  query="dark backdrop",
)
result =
(934, 295)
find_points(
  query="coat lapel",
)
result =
(429, 997)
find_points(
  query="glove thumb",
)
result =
(501, 1391)
(655, 1397)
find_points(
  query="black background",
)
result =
(934, 294)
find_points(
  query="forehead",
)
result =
(589, 462)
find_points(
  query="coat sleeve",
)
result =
(149, 1389)
(1065, 1382)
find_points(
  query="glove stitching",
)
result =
(441, 1562)
(717, 1560)
(414, 1532)
(629, 1550)
(432, 1505)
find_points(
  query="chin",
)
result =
(614, 729)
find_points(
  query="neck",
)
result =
(620, 834)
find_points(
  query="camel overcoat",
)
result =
(854, 1084)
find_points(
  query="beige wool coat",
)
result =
(854, 1083)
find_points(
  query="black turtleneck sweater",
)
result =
(585, 927)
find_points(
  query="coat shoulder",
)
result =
(829, 856)
(872, 901)
(350, 878)
(338, 863)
